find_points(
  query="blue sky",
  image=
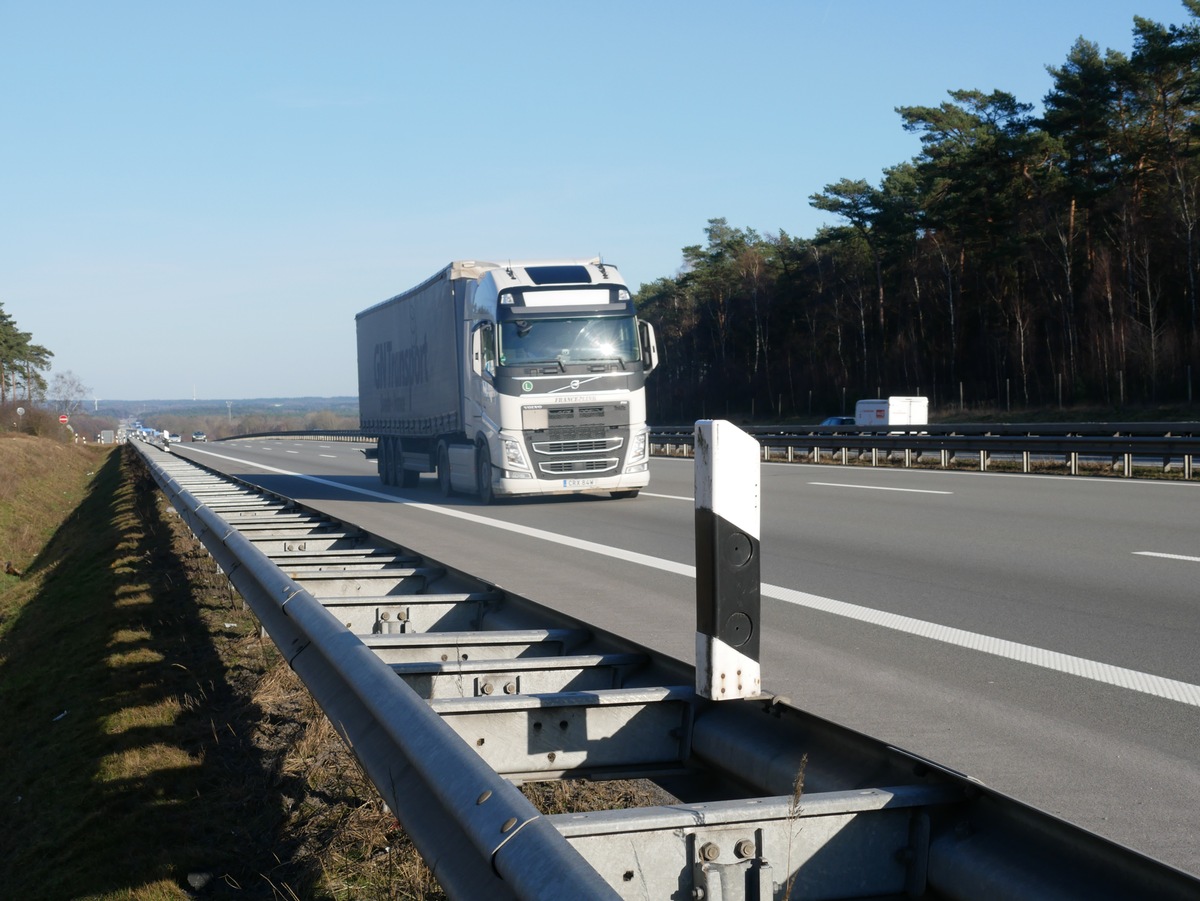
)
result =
(197, 198)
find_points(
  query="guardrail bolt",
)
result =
(744, 849)
(487, 794)
(508, 824)
(710, 851)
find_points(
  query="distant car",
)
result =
(838, 420)
(172, 437)
(199, 436)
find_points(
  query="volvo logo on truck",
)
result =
(401, 368)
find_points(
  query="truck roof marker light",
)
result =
(623, 294)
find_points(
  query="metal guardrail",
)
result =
(449, 690)
(1125, 445)
(310, 434)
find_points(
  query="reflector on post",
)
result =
(728, 581)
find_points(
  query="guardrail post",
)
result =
(728, 580)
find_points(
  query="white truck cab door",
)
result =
(483, 400)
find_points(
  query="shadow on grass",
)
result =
(128, 765)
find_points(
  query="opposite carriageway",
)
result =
(451, 690)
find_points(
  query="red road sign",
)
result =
(63, 418)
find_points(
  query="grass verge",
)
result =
(153, 747)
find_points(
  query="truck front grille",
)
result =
(593, 446)
(560, 467)
(558, 434)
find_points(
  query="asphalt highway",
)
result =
(1038, 633)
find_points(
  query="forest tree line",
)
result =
(1017, 260)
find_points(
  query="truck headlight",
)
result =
(637, 447)
(514, 457)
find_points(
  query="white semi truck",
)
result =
(891, 411)
(509, 379)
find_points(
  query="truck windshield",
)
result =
(568, 341)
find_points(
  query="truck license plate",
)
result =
(579, 483)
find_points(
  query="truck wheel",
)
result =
(483, 475)
(443, 469)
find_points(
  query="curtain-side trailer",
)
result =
(509, 379)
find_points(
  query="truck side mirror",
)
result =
(649, 346)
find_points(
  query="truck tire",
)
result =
(483, 475)
(443, 469)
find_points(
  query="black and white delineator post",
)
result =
(728, 581)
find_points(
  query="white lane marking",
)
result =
(1166, 556)
(330, 456)
(669, 497)
(880, 488)
(1132, 680)
(293, 452)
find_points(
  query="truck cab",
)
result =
(558, 365)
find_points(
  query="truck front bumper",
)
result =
(505, 487)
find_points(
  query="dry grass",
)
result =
(130, 733)
(43, 481)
